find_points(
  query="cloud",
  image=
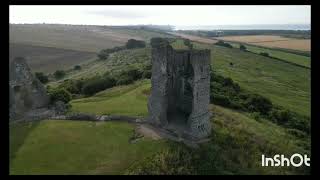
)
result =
(119, 14)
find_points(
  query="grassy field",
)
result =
(70, 147)
(272, 41)
(289, 57)
(47, 59)
(285, 84)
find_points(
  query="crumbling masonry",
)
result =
(180, 89)
(26, 92)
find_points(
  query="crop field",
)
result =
(272, 41)
(47, 59)
(195, 38)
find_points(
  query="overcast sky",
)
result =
(163, 15)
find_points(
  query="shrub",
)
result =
(103, 54)
(257, 103)
(77, 67)
(124, 80)
(221, 100)
(96, 84)
(42, 77)
(59, 94)
(132, 43)
(264, 54)
(72, 86)
(59, 74)
(222, 43)
(242, 47)
(146, 74)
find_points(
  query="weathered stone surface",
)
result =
(26, 92)
(180, 89)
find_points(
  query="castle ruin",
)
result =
(26, 92)
(180, 83)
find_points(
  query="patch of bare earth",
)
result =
(148, 131)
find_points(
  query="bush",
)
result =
(59, 74)
(42, 77)
(221, 100)
(242, 47)
(103, 54)
(59, 94)
(77, 67)
(257, 103)
(124, 80)
(72, 86)
(97, 84)
(264, 54)
(132, 43)
(222, 43)
(146, 74)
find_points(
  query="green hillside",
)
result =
(71, 147)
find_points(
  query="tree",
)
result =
(59, 74)
(132, 43)
(59, 94)
(77, 67)
(103, 54)
(42, 77)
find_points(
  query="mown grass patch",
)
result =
(73, 147)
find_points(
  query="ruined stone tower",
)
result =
(180, 89)
(26, 92)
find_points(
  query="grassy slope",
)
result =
(70, 147)
(116, 61)
(132, 101)
(285, 84)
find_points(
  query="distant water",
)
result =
(248, 27)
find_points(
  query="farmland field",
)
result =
(195, 38)
(272, 41)
(48, 59)
(76, 37)
(287, 56)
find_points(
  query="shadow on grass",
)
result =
(18, 132)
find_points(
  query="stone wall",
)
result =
(180, 84)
